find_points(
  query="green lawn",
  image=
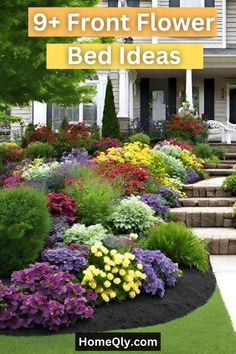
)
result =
(205, 331)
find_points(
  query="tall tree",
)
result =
(23, 73)
(110, 124)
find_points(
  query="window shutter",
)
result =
(133, 3)
(174, 3)
(144, 104)
(112, 3)
(209, 98)
(209, 3)
(172, 92)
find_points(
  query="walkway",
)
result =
(224, 268)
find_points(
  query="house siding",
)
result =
(25, 113)
(231, 23)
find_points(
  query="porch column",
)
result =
(189, 87)
(101, 89)
(132, 78)
(123, 114)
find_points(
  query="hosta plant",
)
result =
(87, 235)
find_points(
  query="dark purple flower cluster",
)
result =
(58, 228)
(66, 258)
(76, 157)
(170, 197)
(192, 176)
(119, 242)
(156, 202)
(159, 269)
(43, 295)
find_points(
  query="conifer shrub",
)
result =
(24, 227)
(110, 124)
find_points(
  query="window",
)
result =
(192, 3)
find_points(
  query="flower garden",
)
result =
(86, 223)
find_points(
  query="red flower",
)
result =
(61, 204)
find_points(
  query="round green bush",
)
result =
(229, 183)
(39, 150)
(203, 151)
(178, 243)
(142, 138)
(24, 227)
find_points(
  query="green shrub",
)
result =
(94, 197)
(179, 243)
(39, 150)
(132, 215)
(142, 138)
(203, 151)
(218, 152)
(24, 227)
(230, 183)
(110, 124)
(214, 160)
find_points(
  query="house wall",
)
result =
(25, 113)
(231, 23)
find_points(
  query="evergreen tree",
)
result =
(110, 124)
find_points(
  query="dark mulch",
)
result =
(191, 292)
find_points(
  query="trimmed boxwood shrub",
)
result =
(24, 227)
(179, 243)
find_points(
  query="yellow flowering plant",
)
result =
(190, 160)
(112, 275)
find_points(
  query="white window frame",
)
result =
(202, 3)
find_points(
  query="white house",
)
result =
(157, 94)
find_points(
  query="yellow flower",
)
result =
(107, 260)
(107, 267)
(113, 252)
(139, 266)
(117, 281)
(112, 294)
(126, 287)
(129, 279)
(126, 263)
(93, 284)
(99, 290)
(107, 284)
(98, 254)
(93, 249)
(114, 270)
(104, 250)
(105, 297)
(110, 276)
(132, 294)
(122, 272)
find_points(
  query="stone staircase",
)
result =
(208, 208)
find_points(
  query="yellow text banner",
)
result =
(124, 56)
(122, 22)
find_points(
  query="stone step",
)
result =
(220, 241)
(227, 147)
(220, 165)
(207, 202)
(230, 162)
(230, 155)
(204, 216)
(219, 171)
(209, 188)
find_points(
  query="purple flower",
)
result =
(160, 271)
(75, 157)
(170, 197)
(192, 176)
(66, 258)
(157, 203)
(58, 228)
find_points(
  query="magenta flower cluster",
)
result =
(43, 295)
(66, 258)
(160, 271)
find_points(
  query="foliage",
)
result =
(160, 271)
(94, 197)
(10, 181)
(112, 275)
(102, 144)
(11, 152)
(24, 221)
(68, 258)
(142, 138)
(133, 177)
(218, 152)
(110, 124)
(132, 215)
(187, 128)
(174, 167)
(37, 170)
(234, 211)
(23, 61)
(156, 129)
(122, 243)
(156, 203)
(203, 150)
(39, 150)
(184, 145)
(43, 295)
(88, 235)
(192, 176)
(41, 133)
(229, 183)
(179, 243)
(170, 197)
(62, 205)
